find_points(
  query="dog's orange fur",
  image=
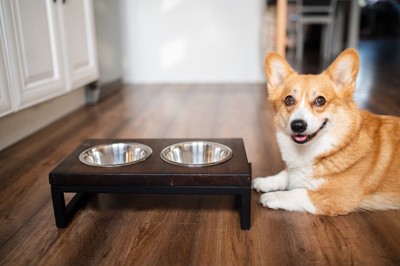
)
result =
(363, 170)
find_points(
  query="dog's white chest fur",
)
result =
(299, 160)
(288, 189)
(302, 178)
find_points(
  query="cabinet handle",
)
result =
(54, 1)
(64, 1)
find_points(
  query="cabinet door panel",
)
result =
(78, 23)
(5, 99)
(36, 51)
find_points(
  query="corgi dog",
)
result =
(339, 159)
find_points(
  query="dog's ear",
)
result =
(343, 71)
(276, 69)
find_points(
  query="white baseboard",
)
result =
(19, 125)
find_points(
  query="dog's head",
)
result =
(306, 105)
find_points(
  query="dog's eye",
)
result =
(320, 101)
(289, 100)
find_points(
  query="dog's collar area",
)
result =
(302, 139)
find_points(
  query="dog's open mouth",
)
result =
(301, 139)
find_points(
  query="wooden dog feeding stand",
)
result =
(152, 176)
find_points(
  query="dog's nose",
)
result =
(298, 126)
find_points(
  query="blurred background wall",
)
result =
(190, 41)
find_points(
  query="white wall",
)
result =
(191, 41)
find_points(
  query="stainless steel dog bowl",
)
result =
(196, 153)
(115, 154)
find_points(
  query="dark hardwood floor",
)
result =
(189, 230)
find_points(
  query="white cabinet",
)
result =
(78, 23)
(5, 99)
(51, 47)
(33, 40)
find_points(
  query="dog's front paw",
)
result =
(293, 200)
(271, 183)
(271, 200)
(267, 184)
(260, 184)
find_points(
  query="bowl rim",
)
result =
(229, 150)
(143, 146)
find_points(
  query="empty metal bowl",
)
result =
(196, 153)
(115, 154)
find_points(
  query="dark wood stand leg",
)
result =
(245, 210)
(245, 206)
(60, 211)
(63, 214)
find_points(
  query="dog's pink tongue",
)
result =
(300, 138)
